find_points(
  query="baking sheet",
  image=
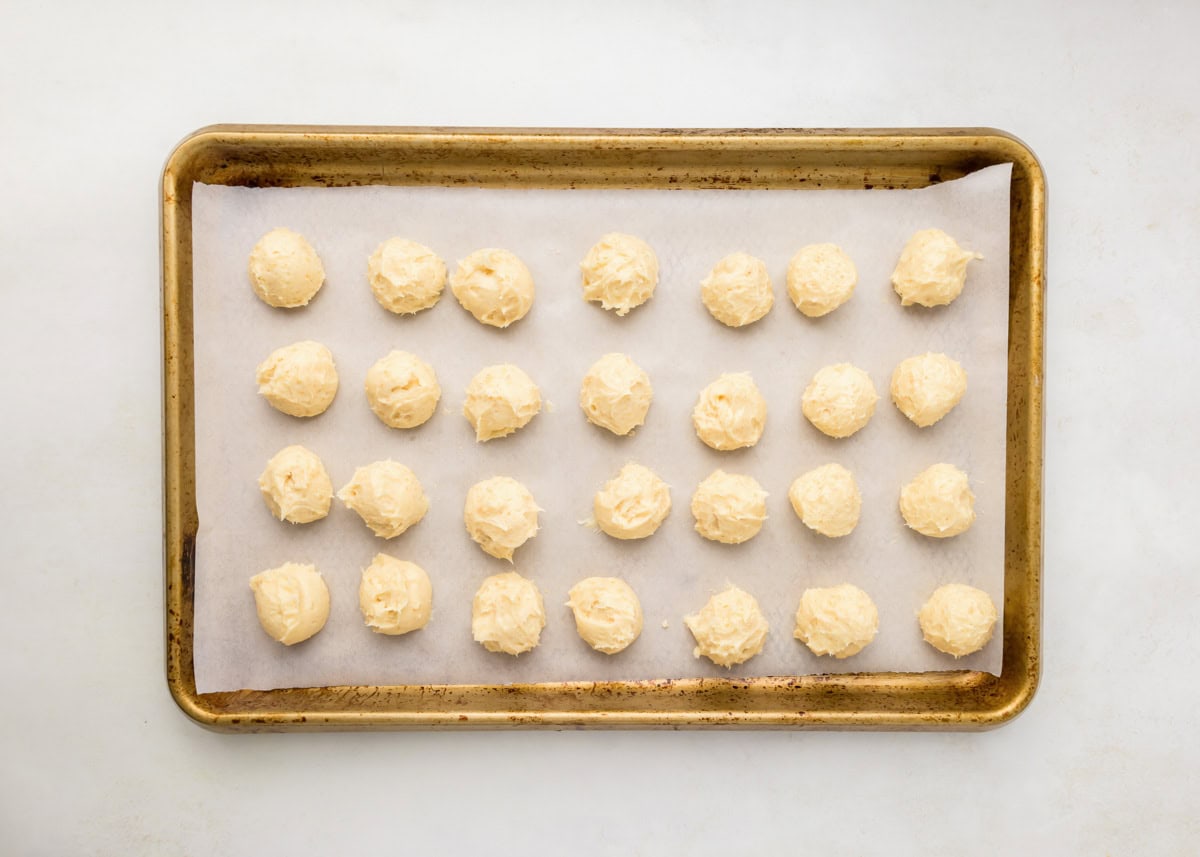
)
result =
(561, 457)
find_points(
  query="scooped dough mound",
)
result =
(932, 269)
(402, 390)
(632, 504)
(608, 615)
(494, 286)
(938, 503)
(616, 394)
(838, 621)
(820, 278)
(500, 400)
(730, 629)
(500, 515)
(927, 387)
(738, 290)
(395, 596)
(619, 272)
(958, 619)
(387, 496)
(839, 400)
(285, 270)
(406, 277)
(292, 602)
(507, 614)
(729, 507)
(730, 413)
(827, 500)
(299, 379)
(296, 486)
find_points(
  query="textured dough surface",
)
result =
(619, 272)
(387, 496)
(938, 502)
(500, 515)
(958, 619)
(932, 269)
(296, 486)
(405, 277)
(730, 629)
(839, 400)
(616, 394)
(731, 413)
(608, 615)
(500, 400)
(292, 602)
(839, 620)
(285, 271)
(395, 596)
(820, 278)
(494, 286)
(827, 500)
(299, 380)
(927, 387)
(507, 614)
(738, 290)
(633, 504)
(729, 507)
(402, 390)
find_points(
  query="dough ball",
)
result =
(292, 602)
(395, 596)
(938, 502)
(296, 486)
(616, 394)
(299, 379)
(402, 390)
(731, 413)
(932, 269)
(500, 515)
(387, 496)
(839, 400)
(838, 621)
(827, 500)
(632, 504)
(285, 270)
(619, 272)
(494, 286)
(738, 290)
(958, 619)
(405, 276)
(730, 629)
(729, 507)
(820, 278)
(927, 387)
(500, 400)
(608, 615)
(507, 614)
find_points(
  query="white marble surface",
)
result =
(96, 759)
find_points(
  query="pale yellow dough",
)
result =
(958, 619)
(295, 486)
(507, 614)
(616, 394)
(494, 286)
(839, 400)
(619, 272)
(738, 290)
(387, 496)
(405, 277)
(839, 621)
(402, 390)
(927, 387)
(938, 503)
(292, 602)
(299, 380)
(395, 596)
(730, 629)
(632, 504)
(729, 507)
(285, 270)
(820, 278)
(608, 615)
(827, 500)
(932, 269)
(500, 400)
(500, 515)
(730, 413)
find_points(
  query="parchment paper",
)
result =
(561, 457)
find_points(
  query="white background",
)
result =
(95, 758)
